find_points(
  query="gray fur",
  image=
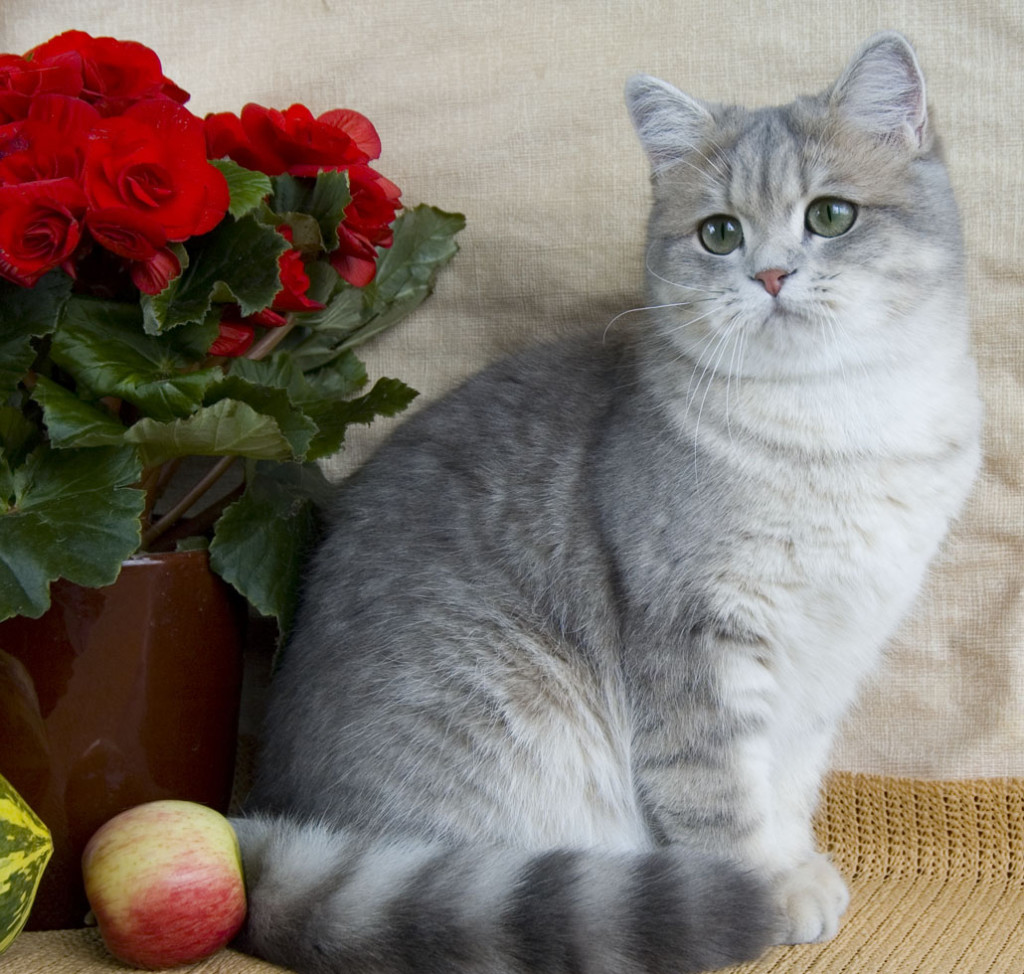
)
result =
(570, 660)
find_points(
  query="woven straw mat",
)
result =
(936, 869)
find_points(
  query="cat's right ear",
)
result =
(668, 122)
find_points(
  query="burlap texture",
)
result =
(936, 870)
(512, 113)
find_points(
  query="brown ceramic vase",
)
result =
(118, 696)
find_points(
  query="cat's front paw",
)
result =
(811, 899)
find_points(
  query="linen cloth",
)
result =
(512, 113)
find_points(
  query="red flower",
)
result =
(49, 143)
(366, 226)
(152, 275)
(294, 280)
(113, 74)
(22, 80)
(142, 242)
(294, 284)
(40, 226)
(292, 141)
(152, 160)
(234, 339)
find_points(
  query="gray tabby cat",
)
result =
(563, 686)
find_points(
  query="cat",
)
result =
(569, 661)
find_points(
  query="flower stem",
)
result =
(270, 340)
(214, 474)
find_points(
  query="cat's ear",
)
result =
(668, 122)
(882, 90)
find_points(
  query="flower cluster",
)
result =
(103, 168)
(176, 288)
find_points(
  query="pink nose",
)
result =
(772, 279)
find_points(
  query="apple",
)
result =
(164, 881)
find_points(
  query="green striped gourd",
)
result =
(25, 849)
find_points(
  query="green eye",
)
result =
(721, 234)
(830, 216)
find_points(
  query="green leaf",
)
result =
(74, 515)
(71, 422)
(236, 261)
(388, 397)
(323, 281)
(323, 395)
(247, 188)
(18, 436)
(345, 312)
(324, 198)
(267, 400)
(261, 540)
(278, 371)
(102, 346)
(342, 377)
(194, 339)
(226, 428)
(406, 272)
(27, 313)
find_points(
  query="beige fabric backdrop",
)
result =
(512, 113)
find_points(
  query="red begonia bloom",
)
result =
(49, 143)
(233, 340)
(294, 280)
(114, 74)
(22, 80)
(140, 240)
(152, 160)
(40, 226)
(366, 226)
(292, 141)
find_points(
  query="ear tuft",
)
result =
(668, 122)
(882, 90)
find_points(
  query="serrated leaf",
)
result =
(344, 312)
(406, 274)
(236, 260)
(388, 397)
(261, 540)
(323, 281)
(407, 271)
(247, 188)
(27, 313)
(102, 346)
(324, 198)
(267, 400)
(70, 422)
(342, 377)
(18, 436)
(194, 340)
(227, 428)
(74, 515)
(278, 370)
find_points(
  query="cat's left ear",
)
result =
(669, 123)
(882, 91)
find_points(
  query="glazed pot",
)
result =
(118, 696)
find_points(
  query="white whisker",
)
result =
(678, 284)
(649, 307)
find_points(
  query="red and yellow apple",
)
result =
(164, 881)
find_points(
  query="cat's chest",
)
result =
(832, 554)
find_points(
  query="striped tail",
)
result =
(328, 902)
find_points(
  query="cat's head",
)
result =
(799, 239)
